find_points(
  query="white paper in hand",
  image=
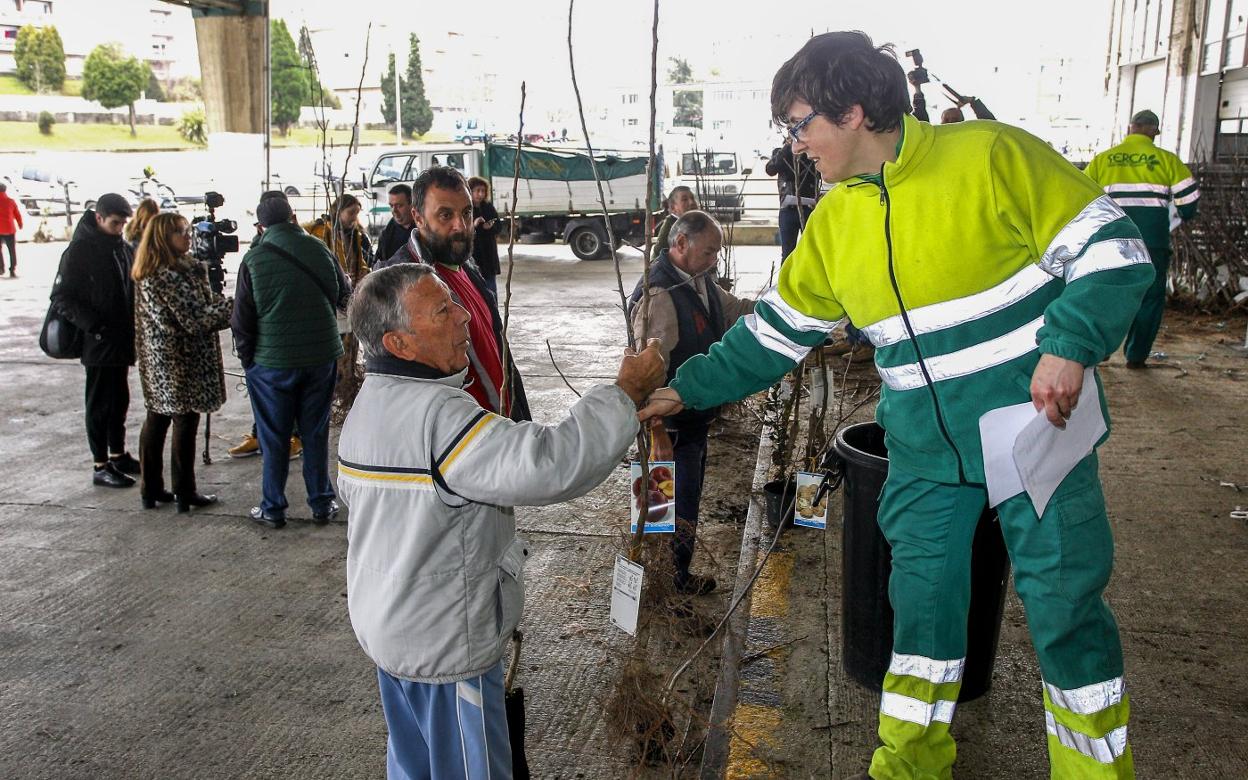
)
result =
(1045, 454)
(626, 594)
(998, 430)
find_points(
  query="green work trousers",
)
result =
(1061, 562)
(1148, 319)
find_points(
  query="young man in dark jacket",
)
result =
(93, 290)
(286, 334)
(399, 228)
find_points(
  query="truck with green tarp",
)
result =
(556, 196)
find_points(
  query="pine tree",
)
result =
(387, 92)
(39, 57)
(417, 114)
(288, 79)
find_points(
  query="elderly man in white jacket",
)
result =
(434, 568)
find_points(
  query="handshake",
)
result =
(641, 376)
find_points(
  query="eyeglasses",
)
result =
(795, 130)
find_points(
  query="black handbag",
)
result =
(59, 338)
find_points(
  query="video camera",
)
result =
(211, 241)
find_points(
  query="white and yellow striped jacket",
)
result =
(434, 568)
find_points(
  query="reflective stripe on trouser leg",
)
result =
(1088, 730)
(1062, 563)
(930, 527)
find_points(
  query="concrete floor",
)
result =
(146, 644)
(150, 644)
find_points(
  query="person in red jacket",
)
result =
(10, 221)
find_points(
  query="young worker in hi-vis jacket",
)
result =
(987, 271)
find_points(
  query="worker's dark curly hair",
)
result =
(834, 72)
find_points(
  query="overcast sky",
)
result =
(990, 49)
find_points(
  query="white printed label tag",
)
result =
(626, 594)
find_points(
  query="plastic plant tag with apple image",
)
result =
(661, 486)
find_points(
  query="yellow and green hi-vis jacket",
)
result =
(1144, 180)
(978, 250)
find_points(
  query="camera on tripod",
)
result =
(211, 240)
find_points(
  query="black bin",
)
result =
(866, 614)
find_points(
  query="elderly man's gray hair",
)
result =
(691, 225)
(377, 304)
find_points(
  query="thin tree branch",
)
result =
(558, 370)
(505, 392)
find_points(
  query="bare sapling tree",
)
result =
(643, 445)
(506, 391)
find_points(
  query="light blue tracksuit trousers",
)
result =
(449, 730)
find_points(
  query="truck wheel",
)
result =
(586, 243)
(291, 191)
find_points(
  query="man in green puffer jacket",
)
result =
(986, 271)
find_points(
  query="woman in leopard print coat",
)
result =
(177, 317)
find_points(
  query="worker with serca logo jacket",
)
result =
(1146, 181)
(987, 271)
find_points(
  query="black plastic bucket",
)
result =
(778, 496)
(866, 558)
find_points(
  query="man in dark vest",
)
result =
(688, 312)
(286, 335)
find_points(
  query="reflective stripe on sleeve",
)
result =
(1108, 256)
(1104, 749)
(911, 710)
(1160, 189)
(1090, 699)
(948, 314)
(1191, 197)
(936, 672)
(1072, 239)
(773, 340)
(794, 318)
(1137, 202)
(963, 362)
(1182, 185)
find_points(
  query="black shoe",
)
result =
(1136, 364)
(696, 585)
(264, 518)
(195, 499)
(162, 497)
(124, 463)
(108, 476)
(328, 513)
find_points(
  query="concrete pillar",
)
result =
(232, 66)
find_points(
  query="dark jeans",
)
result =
(492, 282)
(9, 241)
(107, 401)
(280, 397)
(689, 452)
(791, 224)
(152, 453)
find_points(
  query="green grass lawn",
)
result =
(25, 137)
(10, 85)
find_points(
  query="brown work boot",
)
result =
(249, 446)
(296, 447)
